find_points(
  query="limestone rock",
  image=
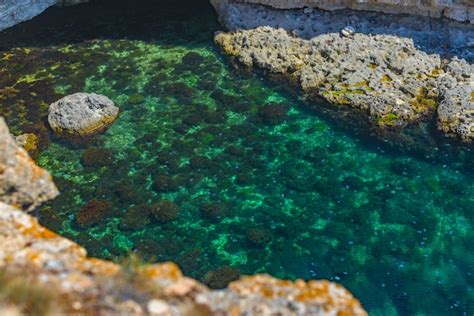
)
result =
(29, 142)
(265, 295)
(22, 183)
(459, 10)
(82, 115)
(13, 12)
(383, 76)
(98, 287)
(456, 109)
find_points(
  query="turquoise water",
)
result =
(214, 169)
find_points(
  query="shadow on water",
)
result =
(110, 19)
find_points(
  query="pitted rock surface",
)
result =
(89, 286)
(22, 183)
(82, 114)
(459, 10)
(456, 109)
(13, 12)
(384, 76)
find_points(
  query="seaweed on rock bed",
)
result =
(283, 192)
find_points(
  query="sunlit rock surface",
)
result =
(22, 183)
(391, 70)
(82, 114)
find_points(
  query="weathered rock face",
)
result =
(379, 73)
(82, 115)
(456, 109)
(22, 183)
(13, 12)
(459, 10)
(29, 142)
(33, 256)
(385, 76)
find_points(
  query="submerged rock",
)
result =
(221, 277)
(97, 157)
(93, 213)
(273, 113)
(22, 183)
(82, 115)
(164, 211)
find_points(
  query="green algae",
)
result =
(388, 119)
(297, 199)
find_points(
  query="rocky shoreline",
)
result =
(390, 80)
(383, 80)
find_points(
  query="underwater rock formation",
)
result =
(385, 78)
(93, 213)
(164, 211)
(96, 157)
(22, 183)
(82, 115)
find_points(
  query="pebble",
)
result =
(158, 307)
(348, 31)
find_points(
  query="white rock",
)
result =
(158, 307)
(348, 31)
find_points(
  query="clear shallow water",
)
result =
(284, 192)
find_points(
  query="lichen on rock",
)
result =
(390, 76)
(22, 183)
(345, 71)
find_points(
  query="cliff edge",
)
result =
(458, 10)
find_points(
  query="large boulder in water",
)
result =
(82, 115)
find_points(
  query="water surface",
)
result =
(237, 173)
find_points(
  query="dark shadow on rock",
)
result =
(434, 36)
